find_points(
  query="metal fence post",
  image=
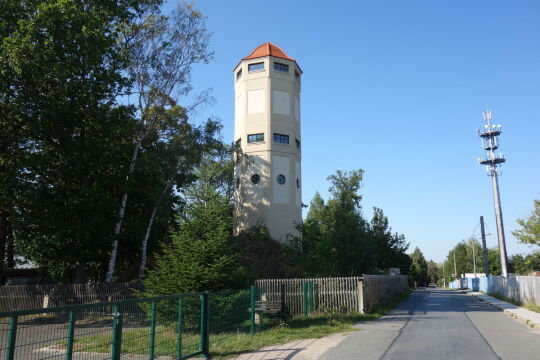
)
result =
(305, 297)
(117, 333)
(204, 324)
(152, 331)
(70, 333)
(282, 299)
(310, 288)
(179, 340)
(252, 311)
(12, 338)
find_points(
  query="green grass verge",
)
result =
(304, 327)
(226, 345)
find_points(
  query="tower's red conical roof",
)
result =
(268, 49)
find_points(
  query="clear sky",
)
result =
(397, 88)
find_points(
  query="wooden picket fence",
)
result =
(379, 289)
(343, 294)
(26, 297)
(329, 294)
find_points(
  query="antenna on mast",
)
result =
(490, 141)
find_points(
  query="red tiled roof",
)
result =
(268, 49)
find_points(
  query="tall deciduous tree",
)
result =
(162, 53)
(69, 134)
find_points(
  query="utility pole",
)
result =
(473, 256)
(490, 142)
(444, 276)
(455, 267)
(484, 247)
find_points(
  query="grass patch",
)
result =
(229, 344)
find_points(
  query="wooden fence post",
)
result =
(360, 289)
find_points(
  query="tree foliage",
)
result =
(432, 272)
(162, 51)
(68, 132)
(530, 228)
(336, 239)
(524, 264)
(67, 143)
(419, 268)
(199, 257)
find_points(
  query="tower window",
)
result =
(297, 143)
(237, 182)
(255, 178)
(281, 139)
(239, 75)
(297, 75)
(281, 179)
(256, 67)
(252, 138)
(298, 183)
(281, 67)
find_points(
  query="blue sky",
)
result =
(397, 88)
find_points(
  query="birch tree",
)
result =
(61, 71)
(163, 51)
(185, 146)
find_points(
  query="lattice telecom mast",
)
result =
(490, 142)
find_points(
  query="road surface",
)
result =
(439, 324)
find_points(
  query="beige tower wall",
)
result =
(268, 102)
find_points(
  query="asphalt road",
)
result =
(439, 324)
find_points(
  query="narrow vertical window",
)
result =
(239, 75)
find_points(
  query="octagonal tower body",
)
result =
(267, 129)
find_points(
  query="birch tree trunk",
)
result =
(163, 51)
(121, 213)
(3, 243)
(144, 246)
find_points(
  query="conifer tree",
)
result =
(199, 257)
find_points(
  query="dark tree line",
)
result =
(77, 138)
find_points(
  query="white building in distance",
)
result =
(267, 130)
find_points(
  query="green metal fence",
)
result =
(168, 327)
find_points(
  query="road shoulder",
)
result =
(526, 316)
